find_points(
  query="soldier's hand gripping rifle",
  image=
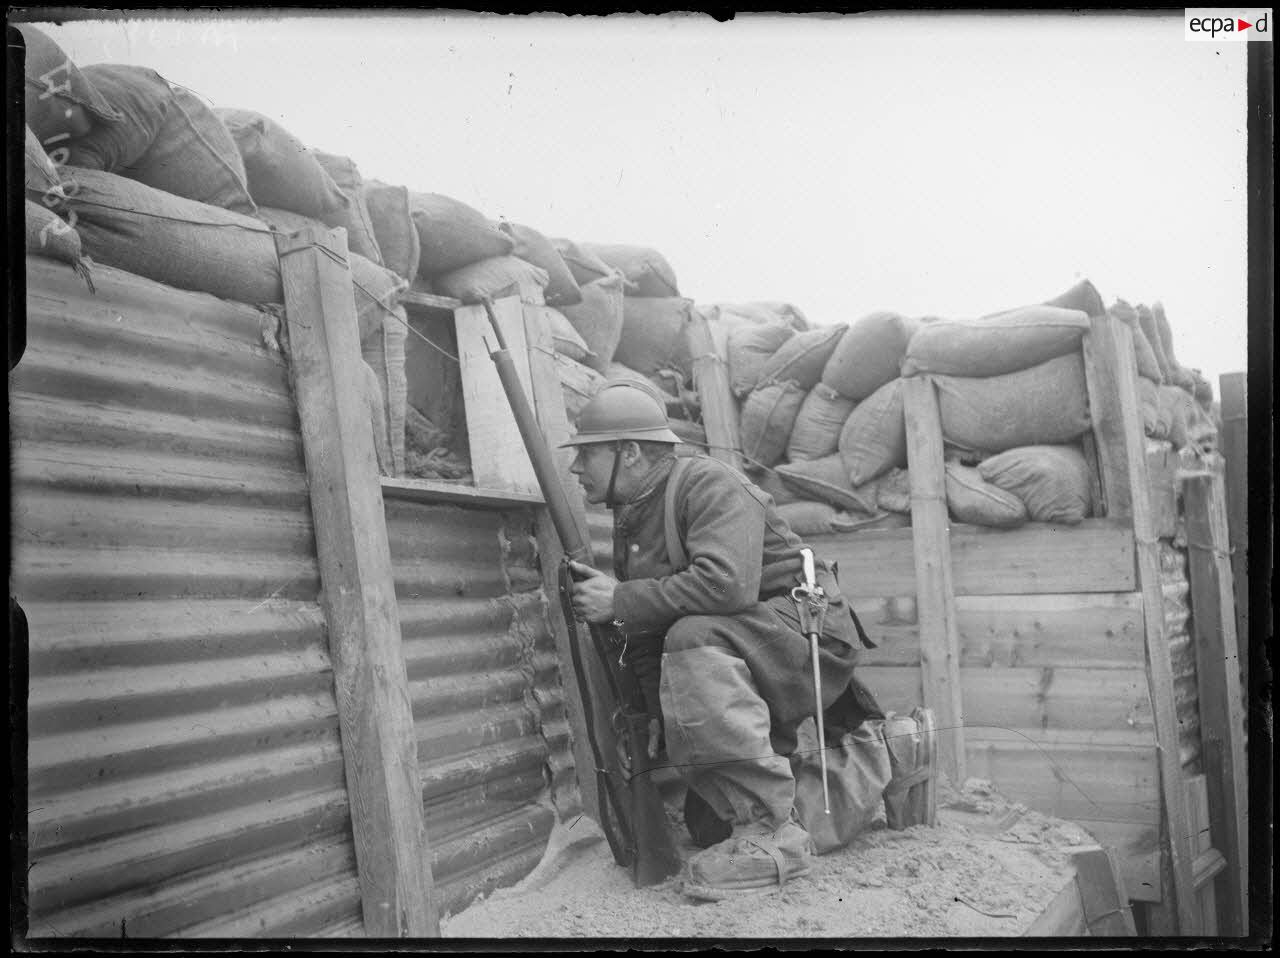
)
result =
(811, 605)
(632, 813)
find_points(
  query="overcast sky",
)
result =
(949, 165)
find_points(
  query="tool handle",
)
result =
(810, 575)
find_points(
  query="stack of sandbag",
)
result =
(59, 101)
(821, 408)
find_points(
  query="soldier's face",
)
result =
(593, 466)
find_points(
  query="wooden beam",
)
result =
(498, 456)
(1213, 626)
(1111, 374)
(454, 493)
(549, 408)
(711, 380)
(379, 744)
(1106, 910)
(935, 595)
(1234, 443)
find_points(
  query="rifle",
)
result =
(632, 814)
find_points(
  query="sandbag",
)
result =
(172, 240)
(973, 500)
(166, 138)
(749, 348)
(1174, 410)
(1144, 355)
(653, 334)
(893, 491)
(764, 311)
(52, 81)
(874, 437)
(1178, 374)
(598, 318)
(767, 417)
(383, 351)
(802, 357)
(1053, 481)
(1083, 296)
(578, 383)
(452, 234)
(495, 277)
(1047, 403)
(282, 172)
(1156, 421)
(1151, 332)
(566, 339)
(585, 267)
(996, 344)
(376, 289)
(354, 216)
(769, 481)
(39, 172)
(868, 355)
(47, 235)
(646, 271)
(816, 432)
(690, 433)
(825, 479)
(530, 245)
(807, 518)
(393, 227)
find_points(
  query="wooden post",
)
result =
(711, 380)
(549, 409)
(935, 594)
(1111, 373)
(1221, 703)
(379, 745)
(1235, 449)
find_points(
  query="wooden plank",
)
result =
(1111, 371)
(418, 299)
(379, 745)
(436, 490)
(1162, 472)
(1111, 374)
(880, 562)
(1106, 911)
(711, 380)
(1094, 556)
(498, 456)
(1209, 862)
(1092, 630)
(935, 596)
(1063, 917)
(1137, 848)
(1089, 446)
(549, 409)
(1090, 782)
(1213, 626)
(1234, 444)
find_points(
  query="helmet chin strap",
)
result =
(613, 476)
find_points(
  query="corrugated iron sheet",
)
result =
(493, 736)
(1176, 587)
(185, 771)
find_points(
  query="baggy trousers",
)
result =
(734, 689)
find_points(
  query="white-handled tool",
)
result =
(811, 605)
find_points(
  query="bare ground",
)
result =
(986, 870)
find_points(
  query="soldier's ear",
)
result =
(631, 452)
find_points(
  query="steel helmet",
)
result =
(623, 410)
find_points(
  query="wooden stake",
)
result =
(711, 380)
(379, 745)
(1221, 704)
(935, 593)
(1235, 449)
(1111, 373)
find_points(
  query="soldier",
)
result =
(704, 570)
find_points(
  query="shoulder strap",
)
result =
(676, 555)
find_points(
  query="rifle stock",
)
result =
(633, 815)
